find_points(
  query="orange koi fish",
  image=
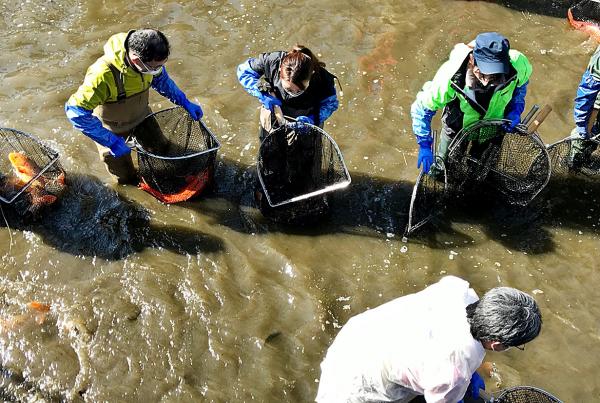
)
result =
(25, 170)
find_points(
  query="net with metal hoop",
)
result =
(428, 197)
(587, 11)
(515, 164)
(176, 155)
(298, 161)
(31, 176)
(524, 394)
(565, 160)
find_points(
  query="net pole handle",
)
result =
(539, 119)
(279, 115)
(530, 114)
(487, 397)
(593, 117)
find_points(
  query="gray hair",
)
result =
(507, 315)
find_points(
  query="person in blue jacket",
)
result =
(294, 80)
(585, 114)
(113, 98)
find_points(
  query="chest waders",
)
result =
(120, 117)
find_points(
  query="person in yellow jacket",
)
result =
(113, 98)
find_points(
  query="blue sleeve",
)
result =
(248, 77)
(421, 122)
(584, 101)
(327, 107)
(516, 106)
(83, 120)
(165, 86)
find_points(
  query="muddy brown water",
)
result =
(208, 301)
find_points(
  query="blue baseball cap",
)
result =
(491, 53)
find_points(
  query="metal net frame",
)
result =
(523, 394)
(561, 152)
(175, 154)
(428, 197)
(516, 164)
(298, 161)
(44, 177)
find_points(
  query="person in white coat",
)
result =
(429, 343)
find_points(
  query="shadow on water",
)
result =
(552, 8)
(93, 220)
(370, 206)
(377, 207)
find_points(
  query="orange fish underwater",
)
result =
(25, 170)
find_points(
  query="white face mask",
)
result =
(293, 94)
(149, 70)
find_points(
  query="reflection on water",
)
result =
(209, 301)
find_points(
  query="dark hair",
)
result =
(299, 64)
(149, 44)
(505, 314)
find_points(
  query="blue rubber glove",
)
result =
(82, 119)
(269, 101)
(118, 147)
(515, 108)
(425, 158)
(305, 119)
(193, 109)
(476, 384)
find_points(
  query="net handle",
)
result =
(539, 119)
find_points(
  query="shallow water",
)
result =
(207, 300)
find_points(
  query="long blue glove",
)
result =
(305, 119)
(83, 120)
(165, 86)
(515, 108)
(249, 78)
(587, 92)
(327, 107)
(119, 148)
(269, 101)
(421, 122)
(425, 158)
(193, 109)
(476, 384)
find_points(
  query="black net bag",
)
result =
(298, 161)
(515, 164)
(564, 160)
(524, 394)
(428, 197)
(31, 176)
(586, 11)
(176, 155)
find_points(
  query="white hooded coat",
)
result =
(419, 344)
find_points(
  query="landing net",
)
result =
(298, 161)
(515, 164)
(524, 394)
(176, 155)
(30, 174)
(564, 160)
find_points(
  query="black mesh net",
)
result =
(525, 394)
(298, 161)
(428, 197)
(575, 156)
(31, 176)
(586, 11)
(176, 155)
(514, 164)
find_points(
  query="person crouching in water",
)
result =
(113, 98)
(484, 79)
(298, 83)
(585, 113)
(426, 344)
